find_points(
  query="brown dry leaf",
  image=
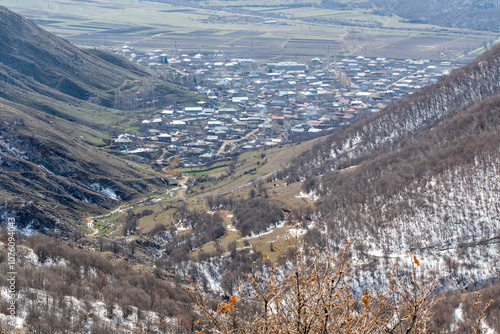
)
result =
(365, 299)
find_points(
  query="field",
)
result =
(252, 169)
(298, 29)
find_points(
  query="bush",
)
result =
(311, 294)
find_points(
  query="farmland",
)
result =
(258, 29)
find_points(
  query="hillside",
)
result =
(420, 176)
(479, 15)
(64, 176)
(31, 56)
(476, 15)
(43, 71)
(398, 123)
(55, 107)
(90, 293)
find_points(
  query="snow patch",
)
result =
(269, 231)
(45, 169)
(296, 232)
(106, 191)
(17, 152)
(230, 227)
(311, 196)
(458, 317)
(139, 150)
(181, 228)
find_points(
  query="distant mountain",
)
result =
(420, 176)
(55, 104)
(478, 15)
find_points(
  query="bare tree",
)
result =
(412, 300)
(312, 293)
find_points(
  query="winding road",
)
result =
(180, 194)
(227, 142)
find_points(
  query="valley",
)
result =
(158, 183)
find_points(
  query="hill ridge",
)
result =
(55, 101)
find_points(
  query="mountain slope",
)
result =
(33, 54)
(35, 64)
(51, 61)
(399, 122)
(476, 15)
(479, 15)
(54, 102)
(421, 176)
(64, 175)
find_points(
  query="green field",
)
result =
(209, 170)
(251, 168)
(238, 27)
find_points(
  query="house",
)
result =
(168, 113)
(239, 99)
(228, 111)
(177, 124)
(298, 130)
(164, 138)
(364, 96)
(243, 125)
(208, 156)
(287, 66)
(278, 103)
(213, 124)
(278, 119)
(125, 141)
(247, 147)
(193, 110)
(212, 138)
(344, 101)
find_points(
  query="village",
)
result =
(253, 105)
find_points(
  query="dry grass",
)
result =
(264, 243)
